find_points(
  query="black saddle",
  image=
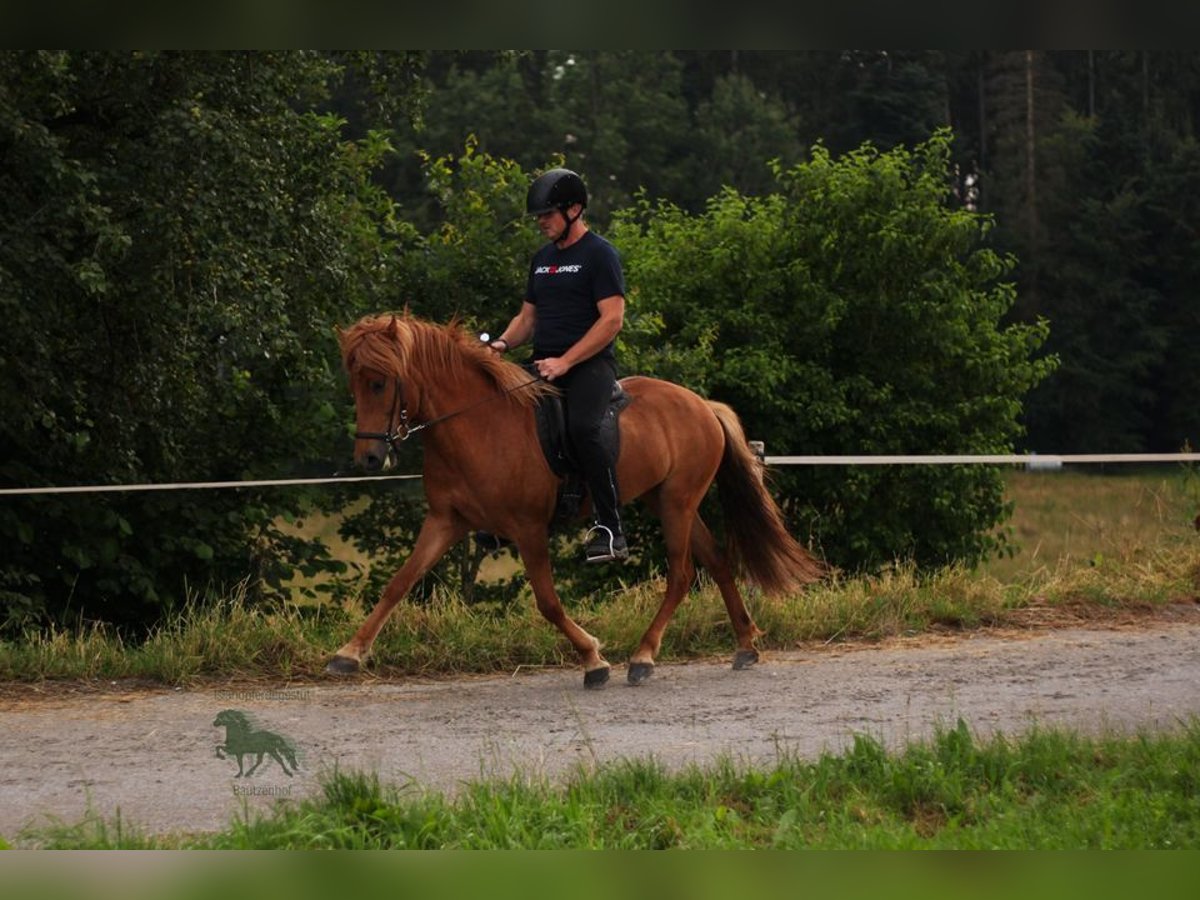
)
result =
(550, 415)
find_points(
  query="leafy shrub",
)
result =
(855, 310)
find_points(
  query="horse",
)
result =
(484, 470)
(242, 740)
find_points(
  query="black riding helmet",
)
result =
(555, 189)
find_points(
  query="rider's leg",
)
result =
(588, 389)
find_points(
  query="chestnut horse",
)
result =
(484, 470)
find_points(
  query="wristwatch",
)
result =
(501, 341)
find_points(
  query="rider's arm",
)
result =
(520, 329)
(603, 330)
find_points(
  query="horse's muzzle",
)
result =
(377, 457)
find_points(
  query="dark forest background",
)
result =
(862, 251)
(1087, 159)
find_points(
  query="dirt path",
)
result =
(153, 753)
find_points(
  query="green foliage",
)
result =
(1094, 185)
(436, 632)
(616, 116)
(851, 311)
(473, 264)
(180, 233)
(1105, 313)
(1085, 159)
(737, 132)
(1173, 269)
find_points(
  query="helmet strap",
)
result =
(570, 221)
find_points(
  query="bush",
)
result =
(855, 310)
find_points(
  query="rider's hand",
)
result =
(554, 367)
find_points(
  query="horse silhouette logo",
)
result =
(242, 739)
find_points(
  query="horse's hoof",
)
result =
(596, 678)
(342, 665)
(639, 672)
(745, 659)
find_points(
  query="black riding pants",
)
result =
(587, 388)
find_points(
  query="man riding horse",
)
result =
(574, 307)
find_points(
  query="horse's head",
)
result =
(372, 352)
(231, 718)
(400, 365)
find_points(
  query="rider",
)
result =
(573, 308)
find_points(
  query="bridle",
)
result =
(401, 430)
(399, 427)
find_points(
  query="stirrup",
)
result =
(491, 543)
(604, 546)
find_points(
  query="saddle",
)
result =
(550, 415)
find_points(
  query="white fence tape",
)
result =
(194, 485)
(1033, 461)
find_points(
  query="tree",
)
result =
(738, 131)
(901, 97)
(1104, 312)
(180, 233)
(1172, 209)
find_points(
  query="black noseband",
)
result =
(398, 428)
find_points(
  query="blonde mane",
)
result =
(402, 346)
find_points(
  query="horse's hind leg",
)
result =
(275, 756)
(438, 534)
(257, 763)
(677, 530)
(709, 555)
(535, 551)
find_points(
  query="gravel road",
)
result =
(152, 753)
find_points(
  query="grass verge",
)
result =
(232, 639)
(1045, 790)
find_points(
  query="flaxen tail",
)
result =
(757, 541)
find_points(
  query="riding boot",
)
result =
(606, 540)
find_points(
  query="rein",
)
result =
(401, 431)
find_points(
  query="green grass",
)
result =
(233, 639)
(1044, 790)
(1133, 547)
(1073, 518)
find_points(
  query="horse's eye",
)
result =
(376, 387)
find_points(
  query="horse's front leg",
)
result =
(439, 532)
(239, 759)
(535, 552)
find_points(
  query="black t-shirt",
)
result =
(564, 285)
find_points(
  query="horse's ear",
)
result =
(394, 326)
